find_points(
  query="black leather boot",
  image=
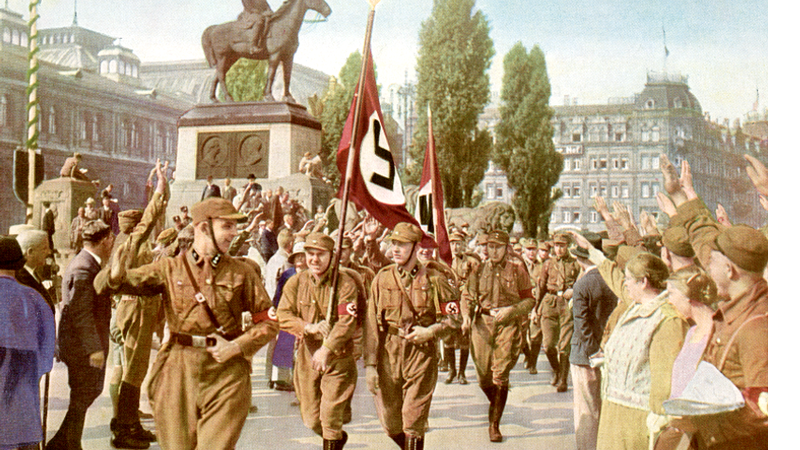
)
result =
(552, 358)
(536, 347)
(450, 360)
(341, 441)
(399, 439)
(501, 397)
(563, 372)
(414, 442)
(462, 366)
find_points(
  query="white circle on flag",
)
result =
(377, 165)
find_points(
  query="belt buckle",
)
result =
(199, 341)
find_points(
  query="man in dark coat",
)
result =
(211, 189)
(35, 247)
(83, 332)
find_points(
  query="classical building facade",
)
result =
(613, 149)
(99, 99)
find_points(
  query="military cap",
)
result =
(95, 230)
(406, 232)
(513, 240)
(528, 243)
(347, 242)
(167, 236)
(89, 200)
(319, 241)
(544, 245)
(482, 239)
(561, 238)
(497, 237)
(676, 239)
(11, 257)
(595, 239)
(744, 246)
(128, 219)
(215, 208)
(517, 247)
(456, 236)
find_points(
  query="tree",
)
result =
(524, 148)
(246, 80)
(452, 72)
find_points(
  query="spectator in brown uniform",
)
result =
(200, 384)
(498, 294)
(534, 326)
(554, 290)
(410, 305)
(325, 371)
(464, 264)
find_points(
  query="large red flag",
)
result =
(430, 202)
(375, 184)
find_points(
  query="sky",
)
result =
(595, 49)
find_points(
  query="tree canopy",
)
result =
(452, 71)
(524, 148)
(246, 80)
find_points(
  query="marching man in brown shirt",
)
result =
(497, 294)
(325, 370)
(200, 384)
(410, 305)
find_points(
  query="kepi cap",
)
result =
(676, 239)
(167, 236)
(594, 239)
(744, 246)
(215, 208)
(497, 237)
(319, 241)
(406, 232)
(128, 219)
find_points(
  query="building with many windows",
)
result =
(613, 151)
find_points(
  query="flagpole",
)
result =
(351, 159)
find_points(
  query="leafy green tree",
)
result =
(246, 80)
(452, 72)
(524, 148)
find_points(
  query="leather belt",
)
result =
(192, 340)
(489, 311)
(128, 298)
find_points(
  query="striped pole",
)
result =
(32, 142)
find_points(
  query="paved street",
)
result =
(535, 417)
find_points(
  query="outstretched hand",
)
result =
(758, 174)
(722, 216)
(602, 208)
(666, 205)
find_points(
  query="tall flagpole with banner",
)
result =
(331, 314)
(430, 201)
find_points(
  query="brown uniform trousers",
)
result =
(463, 266)
(496, 346)
(557, 276)
(407, 372)
(323, 395)
(197, 402)
(534, 332)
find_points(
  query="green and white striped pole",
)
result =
(32, 142)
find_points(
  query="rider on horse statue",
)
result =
(254, 18)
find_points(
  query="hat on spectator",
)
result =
(497, 237)
(167, 236)
(89, 200)
(215, 208)
(319, 241)
(406, 232)
(128, 219)
(11, 257)
(595, 239)
(298, 249)
(544, 245)
(95, 230)
(744, 246)
(482, 239)
(528, 242)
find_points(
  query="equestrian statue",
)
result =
(259, 34)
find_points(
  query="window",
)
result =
(603, 164)
(593, 217)
(615, 163)
(566, 188)
(567, 217)
(645, 135)
(576, 137)
(654, 189)
(657, 163)
(95, 128)
(623, 164)
(650, 104)
(576, 164)
(104, 66)
(656, 135)
(618, 136)
(614, 191)
(677, 103)
(576, 217)
(603, 190)
(51, 123)
(594, 164)
(645, 190)
(489, 190)
(645, 162)
(592, 190)
(3, 110)
(112, 66)
(576, 189)
(499, 191)
(567, 165)
(626, 192)
(6, 35)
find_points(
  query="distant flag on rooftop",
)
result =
(666, 50)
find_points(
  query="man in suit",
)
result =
(36, 248)
(83, 332)
(49, 222)
(211, 189)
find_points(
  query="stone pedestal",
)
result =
(67, 194)
(235, 140)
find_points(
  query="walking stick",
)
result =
(45, 404)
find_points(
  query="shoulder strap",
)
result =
(406, 294)
(721, 361)
(201, 299)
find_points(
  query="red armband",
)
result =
(348, 309)
(526, 293)
(267, 314)
(450, 308)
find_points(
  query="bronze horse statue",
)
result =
(224, 44)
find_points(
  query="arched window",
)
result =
(104, 66)
(51, 124)
(650, 104)
(23, 39)
(6, 35)
(128, 69)
(677, 103)
(135, 72)
(3, 110)
(112, 66)
(15, 37)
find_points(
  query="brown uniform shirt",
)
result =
(230, 288)
(498, 285)
(557, 275)
(463, 265)
(403, 300)
(305, 300)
